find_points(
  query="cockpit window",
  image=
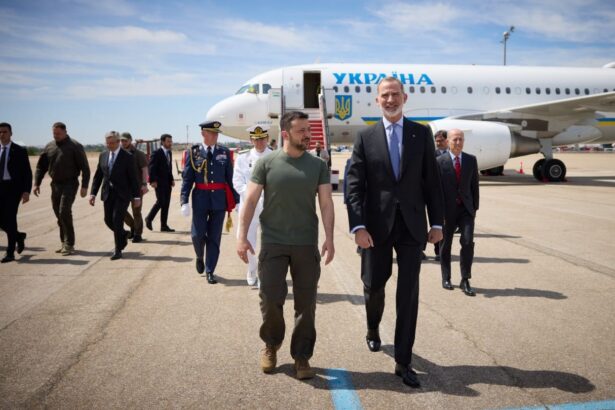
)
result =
(266, 88)
(249, 88)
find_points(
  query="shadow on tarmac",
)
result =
(33, 261)
(455, 380)
(481, 259)
(164, 242)
(521, 292)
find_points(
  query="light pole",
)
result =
(506, 36)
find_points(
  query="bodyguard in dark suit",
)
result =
(459, 176)
(209, 176)
(117, 174)
(15, 186)
(441, 148)
(392, 177)
(161, 179)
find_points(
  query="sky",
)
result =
(154, 67)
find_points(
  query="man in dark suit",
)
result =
(392, 177)
(161, 179)
(459, 176)
(15, 186)
(117, 173)
(441, 148)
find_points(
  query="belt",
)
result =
(230, 199)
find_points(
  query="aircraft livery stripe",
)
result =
(343, 394)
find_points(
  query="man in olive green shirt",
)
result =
(291, 179)
(64, 159)
(135, 221)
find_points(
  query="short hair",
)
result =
(163, 137)
(440, 133)
(113, 134)
(6, 125)
(59, 125)
(389, 79)
(289, 117)
(126, 135)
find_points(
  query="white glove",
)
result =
(186, 210)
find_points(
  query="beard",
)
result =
(301, 145)
(392, 113)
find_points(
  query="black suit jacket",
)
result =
(122, 180)
(19, 169)
(373, 192)
(160, 170)
(467, 189)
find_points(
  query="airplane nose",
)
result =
(220, 111)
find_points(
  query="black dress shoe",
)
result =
(130, 234)
(21, 237)
(166, 229)
(211, 279)
(373, 340)
(200, 265)
(7, 258)
(467, 289)
(407, 375)
(446, 284)
(116, 255)
(148, 224)
(423, 256)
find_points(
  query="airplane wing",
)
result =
(552, 116)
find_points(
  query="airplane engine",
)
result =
(492, 143)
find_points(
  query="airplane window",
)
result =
(433, 90)
(567, 91)
(368, 88)
(411, 89)
(497, 90)
(469, 90)
(443, 90)
(357, 89)
(587, 91)
(422, 90)
(335, 88)
(346, 89)
(507, 90)
(557, 91)
(537, 90)
(266, 88)
(253, 88)
(606, 90)
(528, 90)
(548, 90)
(243, 89)
(577, 91)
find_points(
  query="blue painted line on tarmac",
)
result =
(343, 394)
(590, 405)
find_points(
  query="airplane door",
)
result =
(293, 88)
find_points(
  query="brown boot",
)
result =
(269, 358)
(303, 369)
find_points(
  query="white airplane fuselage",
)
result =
(437, 95)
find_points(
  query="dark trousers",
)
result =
(163, 200)
(115, 211)
(135, 221)
(465, 222)
(62, 198)
(376, 269)
(273, 264)
(206, 236)
(9, 204)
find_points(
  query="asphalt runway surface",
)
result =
(148, 332)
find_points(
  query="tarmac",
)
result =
(148, 332)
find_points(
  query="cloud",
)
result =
(119, 8)
(124, 35)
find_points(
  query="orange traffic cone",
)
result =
(521, 169)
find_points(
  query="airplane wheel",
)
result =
(537, 170)
(554, 170)
(493, 172)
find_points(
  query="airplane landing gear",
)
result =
(552, 170)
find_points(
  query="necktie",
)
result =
(209, 154)
(112, 161)
(169, 158)
(394, 150)
(2, 162)
(457, 169)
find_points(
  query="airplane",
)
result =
(504, 111)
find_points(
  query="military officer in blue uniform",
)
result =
(209, 175)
